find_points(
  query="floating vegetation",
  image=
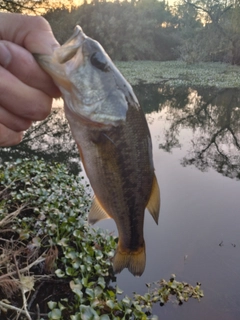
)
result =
(52, 264)
(179, 73)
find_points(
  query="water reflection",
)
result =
(213, 117)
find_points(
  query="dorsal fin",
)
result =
(97, 212)
(154, 200)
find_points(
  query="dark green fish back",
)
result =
(124, 158)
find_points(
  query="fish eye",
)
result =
(99, 61)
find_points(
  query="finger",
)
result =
(21, 63)
(9, 137)
(13, 122)
(22, 100)
(32, 32)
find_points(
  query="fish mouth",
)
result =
(69, 49)
(64, 59)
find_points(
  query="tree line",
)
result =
(191, 30)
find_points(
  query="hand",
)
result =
(26, 91)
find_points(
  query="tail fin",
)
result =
(133, 260)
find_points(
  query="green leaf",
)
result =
(85, 282)
(118, 290)
(59, 273)
(110, 304)
(104, 317)
(71, 271)
(52, 304)
(98, 291)
(88, 313)
(90, 292)
(55, 314)
(101, 282)
(63, 242)
(71, 255)
(111, 293)
(76, 317)
(126, 300)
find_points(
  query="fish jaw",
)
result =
(69, 49)
(55, 65)
(55, 70)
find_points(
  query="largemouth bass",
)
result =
(113, 139)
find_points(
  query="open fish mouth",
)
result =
(68, 50)
(63, 60)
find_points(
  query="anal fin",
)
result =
(154, 201)
(97, 212)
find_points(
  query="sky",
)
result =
(77, 2)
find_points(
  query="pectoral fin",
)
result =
(154, 201)
(97, 212)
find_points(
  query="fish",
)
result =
(113, 139)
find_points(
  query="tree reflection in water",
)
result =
(213, 115)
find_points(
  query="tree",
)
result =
(189, 29)
(140, 30)
(31, 6)
(221, 32)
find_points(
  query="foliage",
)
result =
(179, 73)
(218, 39)
(143, 32)
(31, 6)
(190, 30)
(44, 230)
(20, 6)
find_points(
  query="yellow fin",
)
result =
(97, 212)
(133, 260)
(154, 201)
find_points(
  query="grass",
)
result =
(179, 73)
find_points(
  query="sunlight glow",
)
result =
(76, 3)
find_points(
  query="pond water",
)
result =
(196, 148)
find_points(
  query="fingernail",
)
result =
(5, 55)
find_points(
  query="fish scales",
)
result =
(120, 171)
(113, 139)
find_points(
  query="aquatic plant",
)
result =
(179, 73)
(52, 261)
